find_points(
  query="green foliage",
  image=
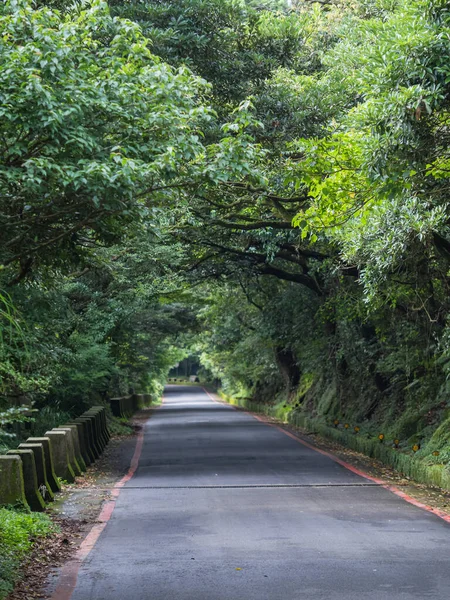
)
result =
(100, 138)
(265, 185)
(96, 132)
(230, 43)
(47, 418)
(12, 416)
(18, 530)
(117, 428)
(357, 161)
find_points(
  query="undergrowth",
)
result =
(119, 426)
(18, 531)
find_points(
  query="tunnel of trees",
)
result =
(262, 185)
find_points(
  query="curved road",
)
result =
(224, 507)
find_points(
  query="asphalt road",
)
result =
(224, 507)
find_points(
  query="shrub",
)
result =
(18, 531)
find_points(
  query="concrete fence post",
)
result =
(41, 469)
(30, 481)
(105, 424)
(61, 457)
(94, 412)
(12, 490)
(95, 430)
(90, 433)
(84, 442)
(100, 415)
(76, 444)
(71, 448)
(48, 453)
(116, 407)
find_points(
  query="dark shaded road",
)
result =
(206, 517)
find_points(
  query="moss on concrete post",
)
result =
(71, 446)
(49, 466)
(61, 457)
(76, 444)
(84, 444)
(95, 414)
(12, 490)
(95, 450)
(101, 416)
(87, 437)
(41, 471)
(30, 481)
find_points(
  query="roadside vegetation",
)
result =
(260, 183)
(18, 530)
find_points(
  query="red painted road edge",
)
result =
(69, 573)
(391, 488)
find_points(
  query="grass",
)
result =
(18, 531)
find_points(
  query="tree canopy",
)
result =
(262, 183)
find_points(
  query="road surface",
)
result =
(225, 507)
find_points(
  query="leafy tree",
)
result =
(262, 182)
(96, 133)
(234, 45)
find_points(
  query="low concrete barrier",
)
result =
(41, 470)
(116, 407)
(30, 474)
(94, 449)
(76, 445)
(105, 424)
(12, 490)
(125, 406)
(71, 448)
(30, 480)
(99, 439)
(50, 469)
(89, 436)
(122, 407)
(138, 401)
(61, 457)
(99, 414)
(84, 442)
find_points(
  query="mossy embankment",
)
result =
(415, 442)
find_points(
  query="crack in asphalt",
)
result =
(256, 486)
